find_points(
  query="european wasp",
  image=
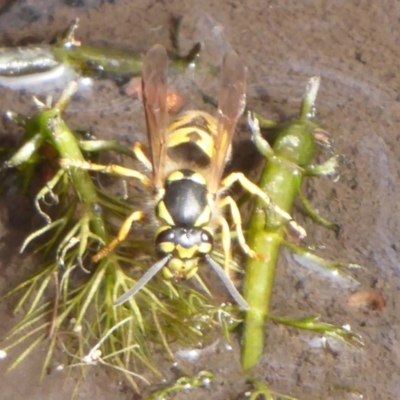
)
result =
(188, 199)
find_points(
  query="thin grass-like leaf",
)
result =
(49, 354)
(26, 324)
(95, 283)
(39, 295)
(38, 233)
(27, 351)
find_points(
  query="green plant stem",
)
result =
(85, 60)
(281, 179)
(56, 130)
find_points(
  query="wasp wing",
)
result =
(154, 91)
(231, 104)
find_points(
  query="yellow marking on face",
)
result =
(205, 248)
(186, 252)
(176, 264)
(179, 268)
(163, 213)
(167, 247)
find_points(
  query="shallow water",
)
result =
(354, 47)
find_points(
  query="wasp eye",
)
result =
(206, 237)
(166, 236)
(165, 242)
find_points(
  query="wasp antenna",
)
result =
(228, 283)
(143, 280)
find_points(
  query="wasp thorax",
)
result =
(185, 202)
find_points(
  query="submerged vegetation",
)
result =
(70, 299)
(288, 162)
(24, 66)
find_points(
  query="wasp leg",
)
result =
(139, 153)
(112, 169)
(237, 221)
(122, 234)
(226, 242)
(255, 190)
(224, 274)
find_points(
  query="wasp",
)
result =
(189, 200)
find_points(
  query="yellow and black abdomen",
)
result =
(195, 127)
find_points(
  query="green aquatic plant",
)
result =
(101, 61)
(261, 391)
(69, 299)
(23, 65)
(289, 161)
(202, 379)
